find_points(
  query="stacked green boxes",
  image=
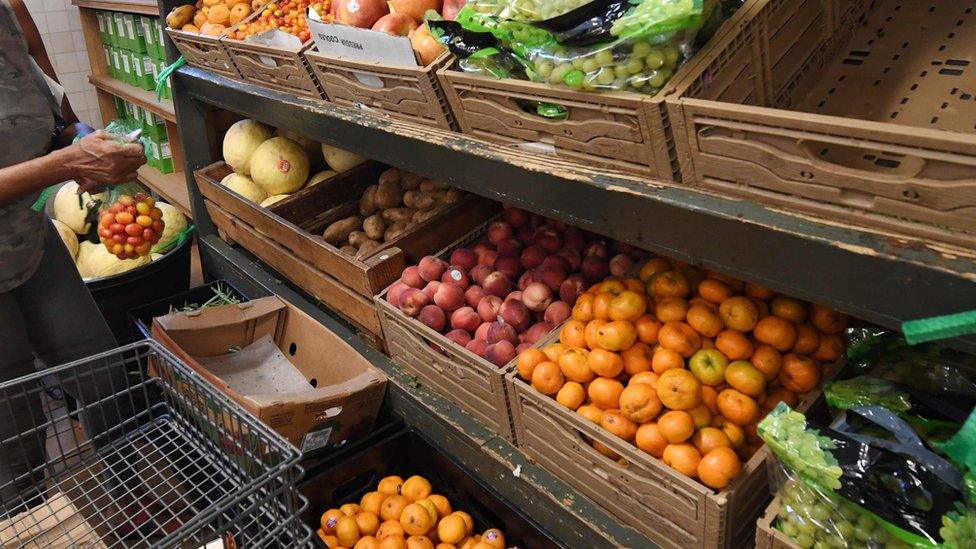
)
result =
(134, 48)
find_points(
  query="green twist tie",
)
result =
(164, 75)
(939, 327)
(42, 199)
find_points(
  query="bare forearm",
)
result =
(22, 179)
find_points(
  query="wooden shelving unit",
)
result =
(170, 186)
(143, 98)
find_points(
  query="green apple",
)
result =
(708, 365)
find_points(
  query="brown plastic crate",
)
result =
(669, 508)
(875, 126)
(204, 51)
(621, 131)
(768, 537)
(409, 93)
(286, 235)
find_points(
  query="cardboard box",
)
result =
(344, 391)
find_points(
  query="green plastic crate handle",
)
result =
(939, 327)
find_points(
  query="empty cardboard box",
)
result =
(283, 366)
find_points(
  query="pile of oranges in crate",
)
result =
(684, 362)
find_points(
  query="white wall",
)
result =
(60, 25)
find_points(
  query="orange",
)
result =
(735, 434)
(415, 520)
(702, 302)
(739, 313)
(604, 392)
(653, 266)
(468, 521)
(682, 457)
(590, 333)
(800, 374)
(734, 344)
(807, 339)
(553, 350)
(469, 542)
(639, 403)
(768, 360)
(366, 542)
(791, 309)
(451, 529)
(679, 389)
(547, 378)
(635, 285)
(611, 285)
(441, 503)
(571, 395)
(830, 349)
(742, 376)
(392, 542)
(701, 415)
(649, 439)
(718, 467)
(219, 15)
(676, 426)
(670, 308)
(372, 502)
(393, 507)
(238, 13)
(710, 398)
(571, 334)
(776, 331)
(390, 528)
(368, 523)
(827, 320)
(647, 328)
(616, 336)
(601, 305)
(590, 412)
(583, 308)
(573, 365)
(415, 488)
(527, 361)
(604, 363)
(713, 290)
(350, 509)
(679, 337)
(494, 538)
(759, 292)
(330, 541)
(648, 378)
(347, 531)
(627, 305)
(605, 450)
(708, 343)
(617, 423)
(665, 359)
(761, 307)
(707, 439)
(737, 407)
(419, 542)
(637, 358)
(672, 283)
(705, 321)
(732, 282)
(329, 520)
(777, 395)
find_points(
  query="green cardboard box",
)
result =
(126, 67)
(134, 32)
(102, 33)
(165, 161)
(120, 111)
(141, 78)
(153, 125)
(108, 59)
(115, 64)
(145, 24)
(119, 28)
(160, 40)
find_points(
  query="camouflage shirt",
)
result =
(26, 123)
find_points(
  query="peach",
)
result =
(516, 296)
(460, 337)
(524, 235)
(431, 268)
(457, 276)
(574, 241)
(510, 247)
(572, 256)
(449, 297)
(482, 331)
(550, 275)
(571, 288)
(537, 296)
(516, 217)
(411, 277)
(465, 319)
(477, 346)
(478, 274)
(433, 317)
(536, 332)
(548, 239)
(509, 265)
(430, 289)
(500, 353)
(532, 257)
(412, 301)
(620, 264)
(527, 278)
(500, 331)
(473, 296)
(393, 294)
(594, 268)
(557, 312)
(598, 249)
(482, 247)
(556, 261)
(488, 308)
(522, 346)
(488, 258)
(464, 258)
(499, 230)
(515, 313)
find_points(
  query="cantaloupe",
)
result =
(242, 185)
(340, 160)
(240, 142)
(279, 166)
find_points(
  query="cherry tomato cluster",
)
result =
(131, 226)
(287, 16)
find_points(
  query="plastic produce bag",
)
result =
(841, 488)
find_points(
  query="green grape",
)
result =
(589, 65)
(671, 55)
(589, 82)
(544, 69)
(620, 71)
(604, 77)
(804, 540)
(641, 49)
(789, 529)
(578, 62)
(844, 529)
(657, 79)
(864, 522)
(821, 544)
(604, 57)
(634, 65)
(618, 84)
(574, 79)
(655, 59)
(806, 527)
(820, 514)
(637, 81)
(559, 73)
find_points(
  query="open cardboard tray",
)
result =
(410, 93)
(621, 131)
(666, 506)
(869, 118)
(286, 236)
(768, 537)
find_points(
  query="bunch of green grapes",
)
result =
(801, 449)
(640, 67)
(814, 519)
(959, 528)
(526, 10)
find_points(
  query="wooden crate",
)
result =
(870, 122)
(768, 537)
(408, 93)
(669, 508)
(204, 51)
(620, 131)
(286, 236)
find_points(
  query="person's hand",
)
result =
(96, 161)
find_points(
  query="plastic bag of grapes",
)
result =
(844, 489)
(601, 45)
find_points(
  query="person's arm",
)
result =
(93, 162)
(35, 46)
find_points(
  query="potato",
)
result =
(368, 248)
(420, 216)
(356, 238)
(429, 185)
(410, 198)
(451, 196)
(390, 175)
(374, 226)
(426, 202)
(180, 16)
(395, 230)
(388, 195)
(367, 204)
(348, 250)
(338, 232)
(392, 215)
(410, 181)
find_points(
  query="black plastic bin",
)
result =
(356, 471)
(141, 317)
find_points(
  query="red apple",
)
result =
(415, 9)
(360, 13)
(395, 24)
(426, 46)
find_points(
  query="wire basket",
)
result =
(176, 463)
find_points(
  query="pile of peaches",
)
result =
(684, 362)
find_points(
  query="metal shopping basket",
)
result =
(175, 464)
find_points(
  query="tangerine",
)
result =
(393, 507)
(671, 283)
(734, 344)
(714, 290)
(616, 335)
(776, 331)
(368, 523)
(573, 365)
(648, 378)
(738, 313)
(571, 395)
(590, 412)
(710, 399)
(649, 439)
(415, 520)
(601, 305)
(830, 349)
(665, 359)
(707, 439)
(807, 339)
(547, 378)
(705, 321)
(737, 407)
(676, 426)
(759, 292)
(553, 350)
(618, 424)
(647, 328)
(827, 320)
(441, 503)
(347, 531)
(604, 363)
(679, 389)
(639, 403)
(786, 307)
(590, 334)
(571, 334)
(682, 457)
(670, 308)
(451, 529)
(800, 374)
(653, 266)
(583, 308)
(627, 305)
(777, 395)
(768, 360)
(702, 415)
(718, 467)
(604, 392)
(742, 376)
(637, 358)
(390, 528)
(679, 337)
(329, 520)
(527, 361)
